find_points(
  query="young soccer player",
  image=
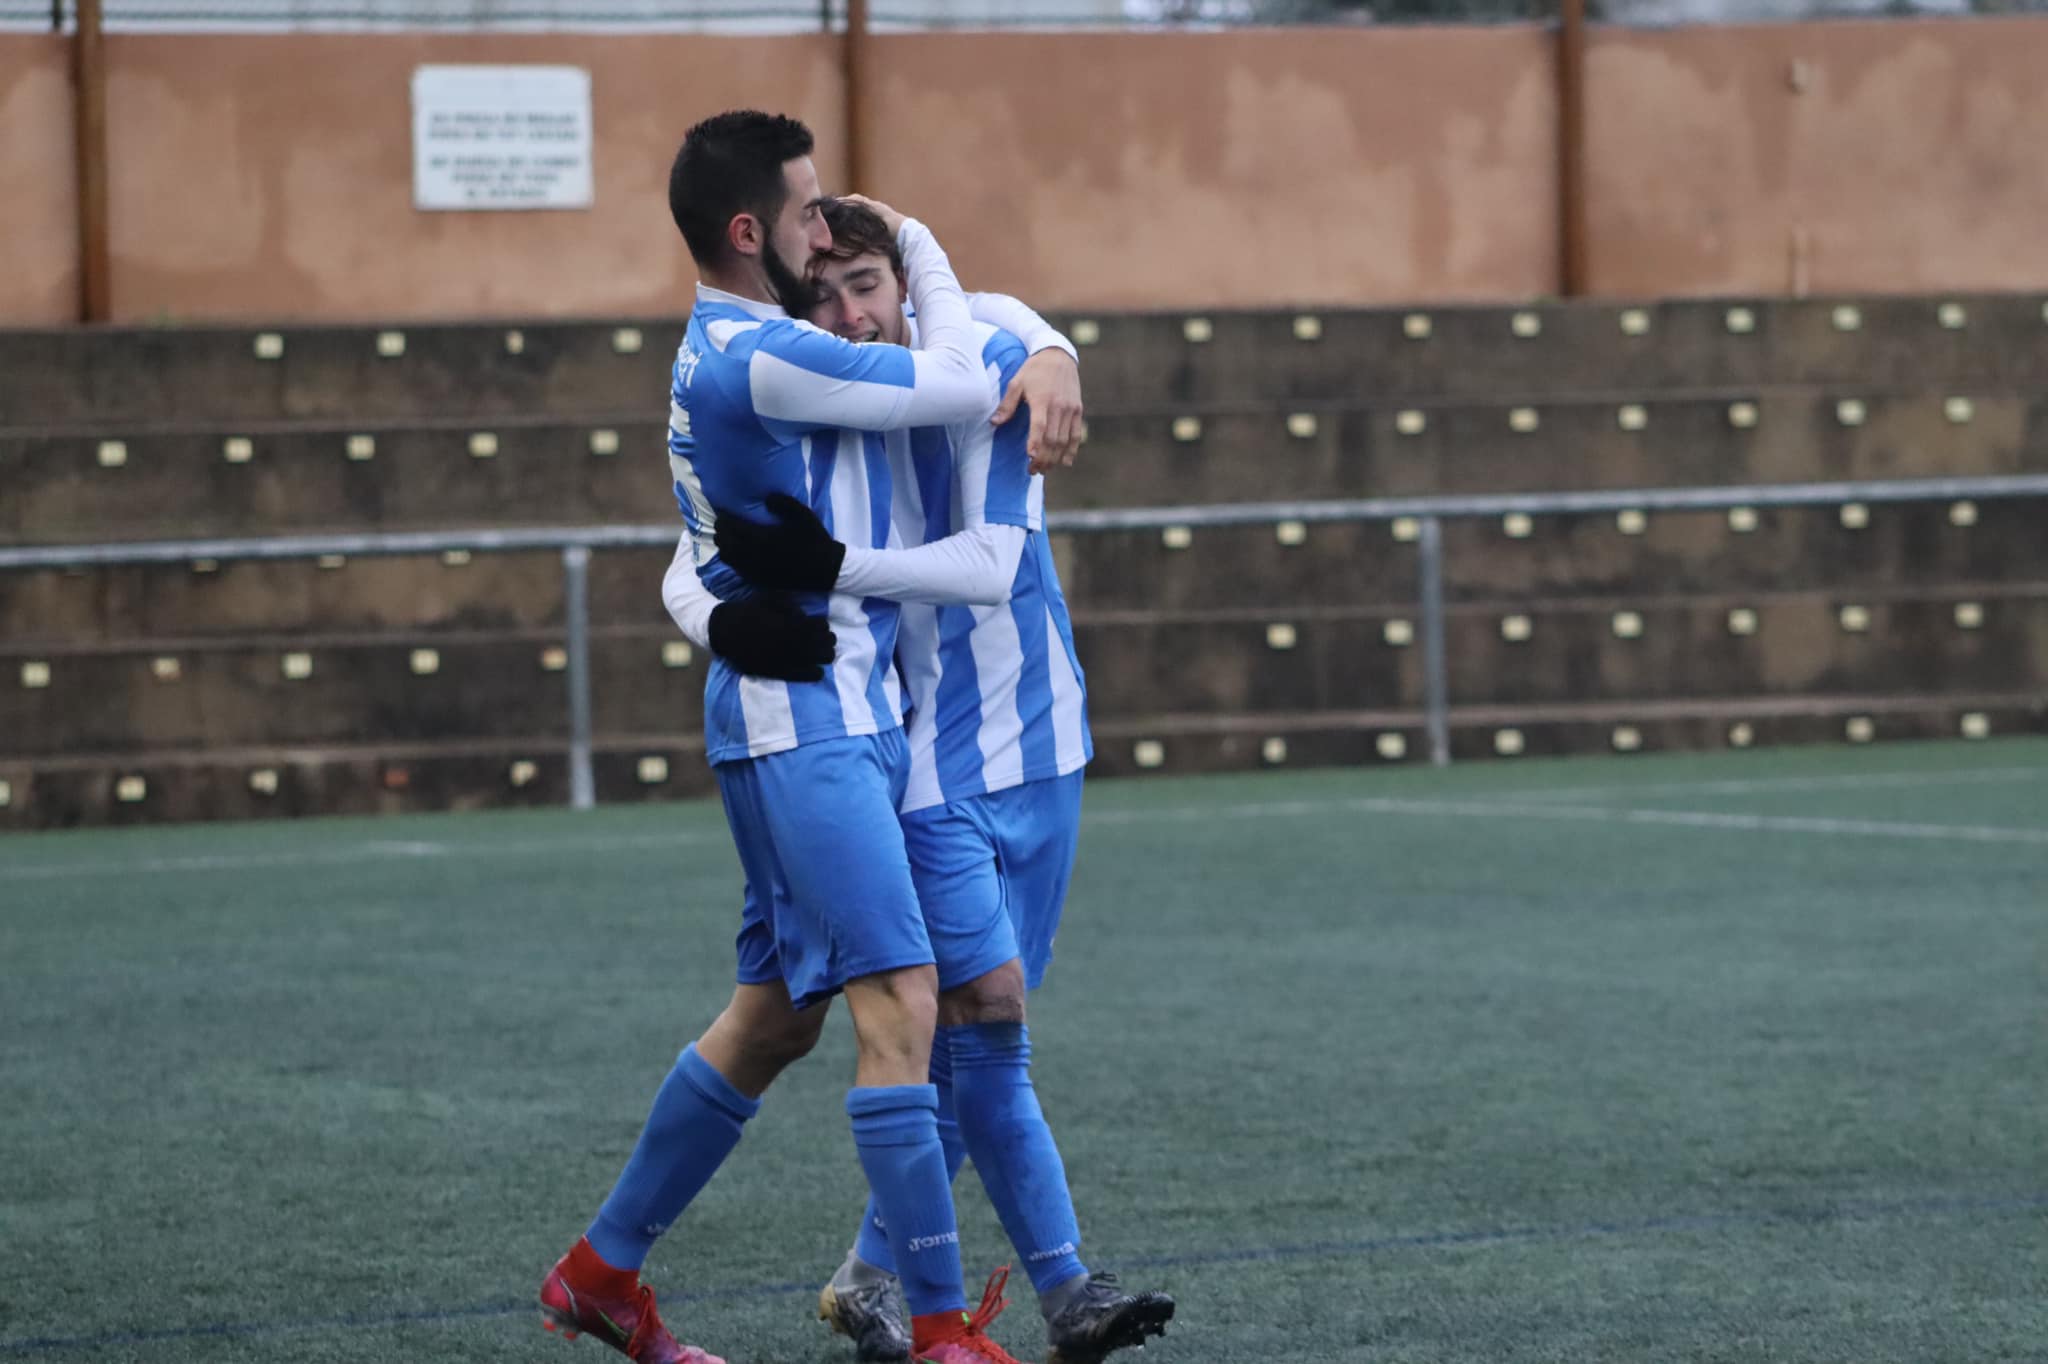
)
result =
(998, 737)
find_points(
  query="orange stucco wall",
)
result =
(1261, 167)
(270, 176)
(38, 182)
(1898, 156)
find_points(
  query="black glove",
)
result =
(794, 552)
(770, 636)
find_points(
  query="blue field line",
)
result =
(1441, 1240)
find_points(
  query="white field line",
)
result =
(377, 850)
(1533, 805)
(1967, 776)
(1596, 814)
(1791, 824)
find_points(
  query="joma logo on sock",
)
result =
(1063, 1248)
(949, 1238)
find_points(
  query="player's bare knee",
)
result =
(759, 1034)
(785, 1040)
(894, 1013)
(996, 997)
(908, 990)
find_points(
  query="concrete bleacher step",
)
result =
(1851, 546)
(1178, 745)
(1561, 348)
(1493, 446)
(364, 594)
(160, 484)
(250, 373)
(452, 686)
(156, 376)
(1224, 567)
(337, 690)
(1972, 546)
(1516, 653)
(168, 483)
(1782, 646)
(161, 786)
(153, 786)
(1339, 563)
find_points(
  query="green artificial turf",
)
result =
(1741, 1057)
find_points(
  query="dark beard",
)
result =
(789, 287)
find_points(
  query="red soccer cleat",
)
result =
(628, 1324)
(960, 1339)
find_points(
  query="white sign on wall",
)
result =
(500, 137)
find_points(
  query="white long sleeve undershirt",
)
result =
(689, 602)
(1020, 320)
(974, 567)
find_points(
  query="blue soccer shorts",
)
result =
(829, 890)
(991, 873)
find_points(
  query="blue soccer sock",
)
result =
(895, 1129)
(1011, 1145)
(692, 1128)
(871, 1247)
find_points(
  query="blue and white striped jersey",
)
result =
(997, 695)
(761, 403)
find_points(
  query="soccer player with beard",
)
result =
(810, 763)
(991, 813)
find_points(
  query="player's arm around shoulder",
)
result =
(805, 376)
(1047, 385)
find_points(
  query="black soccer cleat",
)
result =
(1102, 1317)
(871, 1315)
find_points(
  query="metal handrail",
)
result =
(575, 544)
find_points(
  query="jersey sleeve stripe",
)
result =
(788, 392)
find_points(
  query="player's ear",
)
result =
(744, 234)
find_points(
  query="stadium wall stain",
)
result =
(1897, 156)
(38, 181)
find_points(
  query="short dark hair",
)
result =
(729, 164)
(858, 230)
